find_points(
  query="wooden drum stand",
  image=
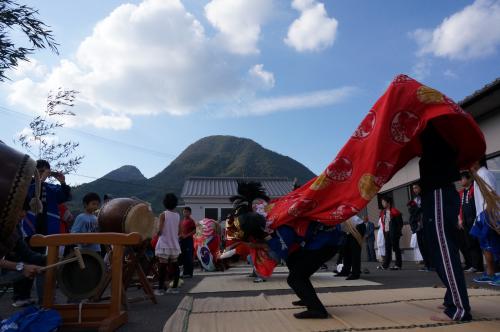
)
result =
(104, 316)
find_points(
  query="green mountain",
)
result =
(209, 156)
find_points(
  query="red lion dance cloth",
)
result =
(384, 142)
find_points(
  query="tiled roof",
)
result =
(227, 186)
(479, 93)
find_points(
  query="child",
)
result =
(87, 222)
(167, 248)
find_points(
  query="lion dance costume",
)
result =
(302, 228)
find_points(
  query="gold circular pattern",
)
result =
(428, 95)
(321, 182)
(367, 187)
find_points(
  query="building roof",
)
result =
(228, 186)
(483, 101)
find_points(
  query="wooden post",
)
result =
(50, 281)
(116, 280)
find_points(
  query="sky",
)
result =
(297, 77)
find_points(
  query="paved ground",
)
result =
(145, 316)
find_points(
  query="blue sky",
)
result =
(295, 76)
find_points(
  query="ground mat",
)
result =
(369, 310)
(231, 283)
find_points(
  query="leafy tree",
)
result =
(39, 142)
(16, 16)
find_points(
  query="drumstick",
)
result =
(78, 257)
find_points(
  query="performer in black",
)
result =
(440, 207)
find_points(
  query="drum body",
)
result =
(15, 179)
(126, 215)
(77, 283)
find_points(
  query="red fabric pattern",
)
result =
(384, 142)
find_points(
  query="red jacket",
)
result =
(396, 223)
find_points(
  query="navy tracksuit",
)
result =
(441, 206)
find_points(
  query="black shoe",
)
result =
(311, 314)
(299, 303)
(352, 277)
(187, 276)
(341, 274)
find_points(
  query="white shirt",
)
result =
(489, 178)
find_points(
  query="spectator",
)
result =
(355, 229)
(188, 229)
(487, 225)
(392, 225)
(46, 221)
(370, 239)
(167, 248)
(471, 249)
(86, 222)
(417, 225)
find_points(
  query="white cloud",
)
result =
(313, 30)
(146, 59)
(239, 22)
(473, 32)
(314, 99)
(450, 74)
(422, 69)
(263, 78)
(29, 68)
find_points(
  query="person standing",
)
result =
(188, 229)
(473, 255)
(370, 239)
(355, 229)
(46, 222)
(487, 225)
(417, 225)
(392, 224)
(87, 222)
(167, 248)
(440, 208)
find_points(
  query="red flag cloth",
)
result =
(386, 139)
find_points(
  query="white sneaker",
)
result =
(172, 291)
(159, 292)
(22, 303)
(471, 270)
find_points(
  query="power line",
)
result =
(97, 137)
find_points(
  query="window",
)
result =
(225, 212)
(494, 167)
(212, 213)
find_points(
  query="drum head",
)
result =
(77, 283)
(205, 257)
(140, 219)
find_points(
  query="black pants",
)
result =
(187, 256)
(392, 244)
(440, 210)
(423, 247)
(352, 257)
(370, 249)
(302, 264)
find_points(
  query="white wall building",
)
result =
(208, 197)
